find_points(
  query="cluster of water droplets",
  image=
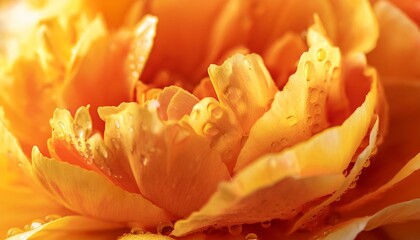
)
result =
(33, 225)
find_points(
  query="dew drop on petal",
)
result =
(210, 129)
(36, 224)
(137, 230)
(52, 217)
(233, 94)
(165, 227)
(251, 236)
(266, 224)
(309, 70)
(117, 124)
(235, 229)
(366, 164)
(353, 185)
(144, 159)
(327, 65)
(215, 110)
(292, 120)
(13, 231)
(321, 54)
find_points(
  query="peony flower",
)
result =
(111, 127)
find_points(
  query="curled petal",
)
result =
(245, 85)
(175, 102)
(91, 194)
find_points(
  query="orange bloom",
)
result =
(301, 127)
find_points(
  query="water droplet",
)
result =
(144, 159)
(338, 199)
(52, 217)
(313, 95)
(292, 120)
(275, 146)
(327, 65)
(366, 164)
(196, 113)
(130, 116)
(345, 172)
(79, 131)
(117, 124)
(266, 224)
(115, 143)
(102, 151)
(233, 94)
(165, 227)
(210, 129)
(14, 231)
(215, 110)
(36, 224)
(235, 229)
(353, 185)
(137, 230)
(251, 236)
(309, 70)
(321, 54)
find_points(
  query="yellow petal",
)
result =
(218, 124)
(398, 49)
(175, 102)
(91, 194)
(244, 84)
(298, 111)
(73, 227)
(401, 212)
(166, 158)
(357, 29)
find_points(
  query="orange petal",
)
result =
(356, 170)
(244, 84)
(401, 212)
(399, 44)
(195, 18)
(204, 89)
(282, 57)
(167, 159)
(91, 194)
(218, 124)
(73, 227)
(357, 29)
(298, 111)
(410, 7)
(118, 56)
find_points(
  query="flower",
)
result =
(271, 143)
